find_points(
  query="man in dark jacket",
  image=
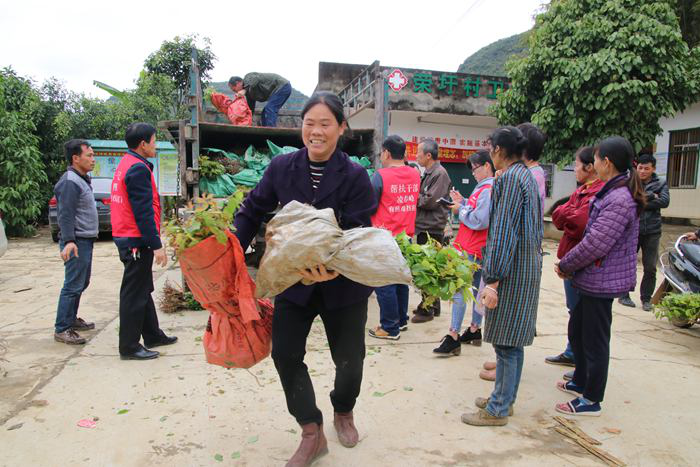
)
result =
(78, 225)
(263, 87)
(135, 212)
(432, 215)
(649, 227)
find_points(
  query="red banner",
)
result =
(444, 154)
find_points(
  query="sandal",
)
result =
(570, 387)
(579, 408)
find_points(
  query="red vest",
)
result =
(397, 205)
(123, 222)
(472, 241)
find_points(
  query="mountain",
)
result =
(491, 60)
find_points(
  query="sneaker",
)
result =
(626, 301)
(482, 402)
(403, 327)
(81, 325)
(570, 388)
(448, 346)
(569, 375)
(69, 336)
(561, 359)
(469, 337)
(647, 306)
(380, 333)
(483, 418)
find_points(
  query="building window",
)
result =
(683, 158)
(548, 178)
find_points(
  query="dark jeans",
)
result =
(649, 244)
(393, 307)
(345, 331)
(137, 312)
(589, 335)
(572, 297)
(77, 279)
(421, 239)
(274, 104)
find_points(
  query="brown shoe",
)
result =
(345, 427)
(421, 317)
(483, 418)
(488, 375)
(68, 337)
(482, 402)
(313, 445)
(81, 325)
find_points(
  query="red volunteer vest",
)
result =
(397, 205)
(123, 222)
(472, 241)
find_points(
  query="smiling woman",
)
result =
(323, 176)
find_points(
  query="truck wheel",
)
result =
(54, 237)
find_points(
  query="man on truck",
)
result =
(263, 87)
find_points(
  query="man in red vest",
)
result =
(397, 186)
(136, 231)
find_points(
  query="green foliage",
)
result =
(191, 303)
(209, 168)
(491, 60)
(438, 271)
(679, 307)
(173, 59)
(601, 67)
(207, 219)
(22, 172)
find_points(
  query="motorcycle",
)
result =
(681, 269)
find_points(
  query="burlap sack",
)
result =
(301, 237)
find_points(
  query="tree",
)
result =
(174, 57)
(22, 172)
(688, 12)
(601, 67)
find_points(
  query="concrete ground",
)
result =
(180, 411)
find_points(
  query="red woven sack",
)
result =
(236, 110)
(240, 327)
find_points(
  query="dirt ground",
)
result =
(180, 411)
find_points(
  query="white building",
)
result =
(676, 152)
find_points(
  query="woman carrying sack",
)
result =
(323, 176)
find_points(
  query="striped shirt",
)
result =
(316, 172)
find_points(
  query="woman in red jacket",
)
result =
(572, 217)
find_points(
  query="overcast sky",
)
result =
(81, 41)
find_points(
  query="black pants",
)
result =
(649, 244)
(434, 309)
(345, 330)
(589, 335)
(137, 312)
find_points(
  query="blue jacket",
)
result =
(345, 187)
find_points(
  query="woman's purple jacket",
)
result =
(604, 263)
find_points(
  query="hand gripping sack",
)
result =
(301, 237)
(240, 327)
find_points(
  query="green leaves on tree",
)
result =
(601, 67)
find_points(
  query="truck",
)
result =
(206, 128)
